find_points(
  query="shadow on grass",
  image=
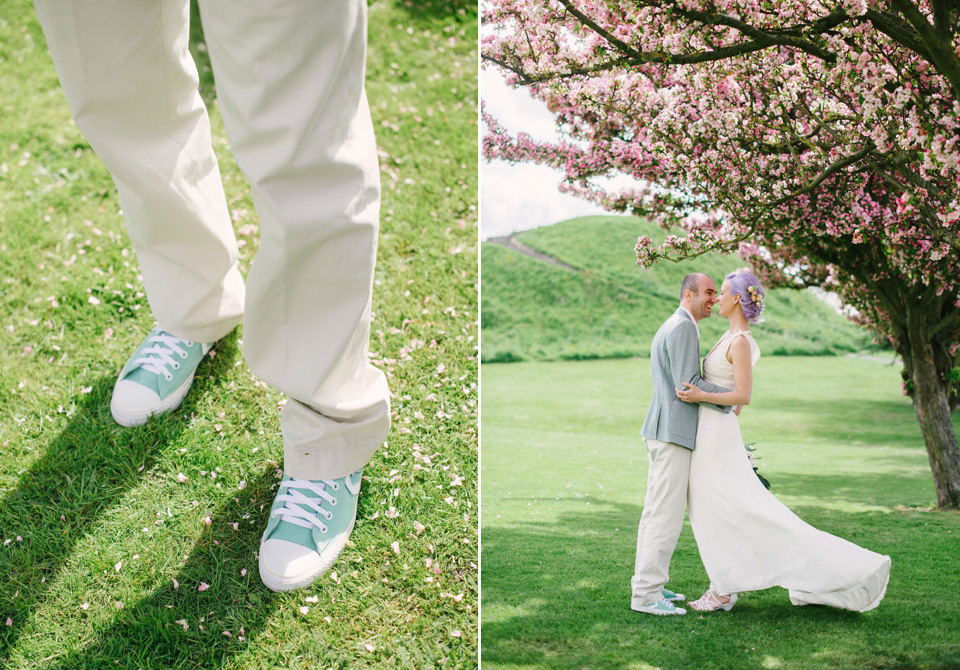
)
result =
(556, 595)
(150, 635)
(85, 470)
(860, 420)
(852, 493)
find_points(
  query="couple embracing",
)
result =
(748, 540)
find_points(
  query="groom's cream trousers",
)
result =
(662, 519)
(290, 86)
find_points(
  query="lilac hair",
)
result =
(740, 283)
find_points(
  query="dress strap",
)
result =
(754, 349)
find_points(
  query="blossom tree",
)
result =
(819, 139)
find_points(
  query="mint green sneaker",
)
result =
(670, 596)
(309, 524)
(662, 607)
(156, 378)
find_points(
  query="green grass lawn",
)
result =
(108, 533)
(610, 308)
(564, 472)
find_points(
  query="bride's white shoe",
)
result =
(710, 602)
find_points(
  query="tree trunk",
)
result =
(931, 403)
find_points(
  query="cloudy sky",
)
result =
(520, 197)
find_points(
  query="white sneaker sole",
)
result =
(137, 417)
(277, 583)
(679, 611)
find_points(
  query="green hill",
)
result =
(607, 307)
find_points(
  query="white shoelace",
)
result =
(159, 357)
(296, 506)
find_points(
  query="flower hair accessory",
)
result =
(755, 296)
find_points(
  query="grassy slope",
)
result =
(563, 486)
(95, 514)
(535, 311)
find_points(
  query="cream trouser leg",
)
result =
(132, 88)
(290, 84)
(662, 519)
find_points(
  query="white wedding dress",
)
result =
(749, 540)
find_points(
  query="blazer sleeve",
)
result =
(684, 352)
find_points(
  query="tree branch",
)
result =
(952, 319)
(760, 37)
(941, 52)
(941, 17)
(898, 32)
(527, 79)
(937, 232)
(888, 294)
(621, 46)
(829, 22)
(524, 79)
(833, 168)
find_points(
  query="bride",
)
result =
(749, 540)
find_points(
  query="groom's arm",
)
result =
(683, 348)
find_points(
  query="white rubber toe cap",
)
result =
(288, 560)
(133, 403)
(286, 565)
(135, 397)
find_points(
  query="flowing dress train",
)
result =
(749, 540)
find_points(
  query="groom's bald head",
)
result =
(698, 294)
(692, 283)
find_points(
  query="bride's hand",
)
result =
(691, 393)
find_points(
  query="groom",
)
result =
(670, 433)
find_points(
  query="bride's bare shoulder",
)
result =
(744, 347)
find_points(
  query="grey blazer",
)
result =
(674, 359)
